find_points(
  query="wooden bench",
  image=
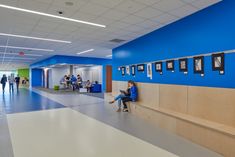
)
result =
(228, 130)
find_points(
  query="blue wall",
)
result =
(71, 60)
(209, 30)
(36, 77)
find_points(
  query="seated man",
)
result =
(88, 86)
(133, 95)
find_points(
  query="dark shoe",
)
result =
(111, 102)
(125, 110)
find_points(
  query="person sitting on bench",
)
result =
(120, 96)
(88, 86)
(133, 95)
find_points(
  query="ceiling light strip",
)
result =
(36, 38)
(85, 51)
(50, 15)
(26, 48)
(19, 58)
(8, 53)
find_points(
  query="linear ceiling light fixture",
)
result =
(20, 58)
(85, 51)
(26, 48)
(36, 38)
(109, 55)
(50, 15)
(28, 54)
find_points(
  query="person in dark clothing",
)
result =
(3, 82)
(133, 95)
(119, 98)
(17, 80)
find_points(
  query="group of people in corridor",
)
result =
(11, 80)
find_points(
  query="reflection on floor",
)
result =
(88, 126)
(70, 91)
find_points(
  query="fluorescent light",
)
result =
(63, 64)
(50, 15)
(85, 51)
(26, 48)
(109, 55)
(36, 38)
(28, 54)
(20, 58)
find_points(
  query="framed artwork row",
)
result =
(218, 64)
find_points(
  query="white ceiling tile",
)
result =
(107, 3)
(94, 9)
(132, 19)
(164, 18)
(183, 11)
(130, 6)
(167, 5)
(148, 12)
(148, 2)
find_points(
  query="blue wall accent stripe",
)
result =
(209, 30)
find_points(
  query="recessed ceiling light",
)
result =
(26, 48)
(36, 38)
(50, 15)
(63, 64)
(85, 51)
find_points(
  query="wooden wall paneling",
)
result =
(215, 104)
(173, 97)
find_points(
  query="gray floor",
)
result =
(5, 140)
(100, 110)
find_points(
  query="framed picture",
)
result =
(170, 65)
(149, 70)
(133, 68)
(158, 67)
(218, 62)
(140, 67)
(128, 70)
(198, 63)
(183, 65)
(123, 69)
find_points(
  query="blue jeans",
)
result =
(11, 87)
(3, 87)
(119, 99)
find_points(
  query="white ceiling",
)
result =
(125, 19)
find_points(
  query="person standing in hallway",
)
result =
(3, 82)
(17, 80)
(11, 81)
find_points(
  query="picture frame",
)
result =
(198, 63)
(149, 71)
(128, 70)
(170, 65)
(158, 67)
(123, 70)
(218, 62)
(133, 69)
(140, 67)
(183, 65)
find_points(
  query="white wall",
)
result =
(56, 75)
(90, 73)
(87, 73)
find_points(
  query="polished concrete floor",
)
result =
(36, 123)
